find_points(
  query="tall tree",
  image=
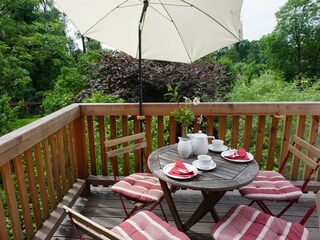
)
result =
(294, 46)
(32, 48)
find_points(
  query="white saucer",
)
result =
(225, 153)
(210, 167)
(168, 167)
(213, 149)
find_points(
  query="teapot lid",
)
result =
(200, 134)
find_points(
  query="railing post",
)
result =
(81, 150)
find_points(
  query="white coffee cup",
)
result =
(217, 144)
(204, 161)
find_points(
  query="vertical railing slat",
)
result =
(11, 200)
(73, 165)
(172, 130)
(259, 139)
(92, 147)
(148, 138)
(295, 160)
(33, 187)
(222, 127)
(247, 133)
(49, 174)
(66, 152)
(285, 139)
(113, 135)
(125, 132)
(137, 154)
(102, 137)
(3, 224)
(313, 134)
(272, 143)
(210, 128)
(61, 162)
(55, 163)
(235, 132)
(160, 133)
(41, 180)
(23, 194)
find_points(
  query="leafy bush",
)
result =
(271, 87)
(8, 115)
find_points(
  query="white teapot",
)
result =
(199, 142)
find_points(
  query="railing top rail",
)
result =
(229, 108)
(16, 142)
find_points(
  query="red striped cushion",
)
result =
(146, 225)
(270, 185)
(243, 222)
(144, 187)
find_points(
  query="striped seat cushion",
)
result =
(243, 222)
(272, 186)
(146, 225)
(143, 187)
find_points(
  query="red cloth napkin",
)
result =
(179, 165)
(240, 154)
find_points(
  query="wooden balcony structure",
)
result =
(51, 162)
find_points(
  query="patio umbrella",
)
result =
(169, 30)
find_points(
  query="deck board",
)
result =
(104, 207)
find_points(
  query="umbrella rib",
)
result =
(212, 19)
(163, 5)
(119, 6)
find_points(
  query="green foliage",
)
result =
(173, 93)
(271, 87)
(8, 115)
(70, 82)
(99, 97)
(293, 47)
(33, 48)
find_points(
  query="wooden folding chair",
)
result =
(272, 186)
(244, 222)
(142, 189)
(143, 225)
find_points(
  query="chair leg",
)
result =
(164, 215)
(123, 206)
(286, 208)
(264, 208)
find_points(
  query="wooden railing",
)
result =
(42, 164)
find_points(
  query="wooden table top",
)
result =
(226, 176)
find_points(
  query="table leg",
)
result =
(209, 201)
(213, 211)
(171, 205)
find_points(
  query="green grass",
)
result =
(24, 121)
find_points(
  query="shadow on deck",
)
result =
(104, 207)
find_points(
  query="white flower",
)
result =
(196, 101)
(187, 100)
(199, 120)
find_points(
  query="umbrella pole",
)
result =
(143, 13)
(141, 117)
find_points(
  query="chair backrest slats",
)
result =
(312, 164)
(115, 142)
(89, 227)
(306, 151)
(126, 149)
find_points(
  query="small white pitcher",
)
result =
(184, 147)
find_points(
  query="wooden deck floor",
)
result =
(104, 207)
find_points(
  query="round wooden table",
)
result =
(213, 184)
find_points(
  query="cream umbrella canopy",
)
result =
(169, 30)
